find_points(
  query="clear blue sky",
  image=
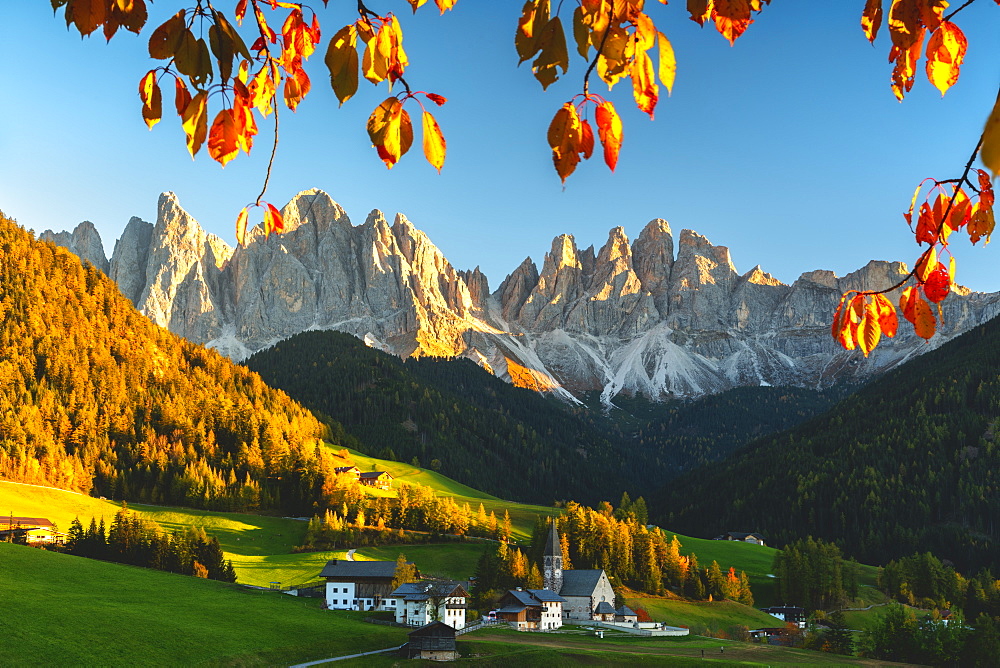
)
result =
(789, 147)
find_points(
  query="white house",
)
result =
(359, 585)
(420, 603)
(540, 609)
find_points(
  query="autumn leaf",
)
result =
(871, 19)
(193, 59)
(434, 144)
(990, 152)
(552, 44)
(182, 97)
(273, 222)
(586, 140)
(564, 138)
(609, 131)
(166, 39)
(732, 18)
(924, 322)
(195, 122)
(152, 102)
(390, 130)
(887, 319)
(342, 61)
(223, 140)
(869, 330)
(88, 15)
(644, 87)
(668, 62)
(241, 226)
(700, 10)
(445, 5)
(938, 284)
(907, 303)
(981, 223)
(945, 53)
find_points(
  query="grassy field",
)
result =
(502, 648)
(522, 516)
(63, 610)
(456, 561)
(698, 615)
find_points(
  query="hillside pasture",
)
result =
(65, 610)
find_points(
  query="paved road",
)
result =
(350, 554)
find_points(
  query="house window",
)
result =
(345, 601)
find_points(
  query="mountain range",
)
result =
(639, 317)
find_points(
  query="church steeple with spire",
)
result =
(552, 561)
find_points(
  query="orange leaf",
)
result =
(981, 223)
(152, 103)
(445, 5)
(887, 319)
(907, 303)
(390, 130)
(86, 14)
(223, 140)
(869, 329)
(871, 18)
(609, 131)
(241, 11)
(166, 39)
(552, 44)
(644, 87)
(838, 316)
(700, 10)
(273, 221)
(924, 322)
(434, 144)
(241, 226)
(194, 120)
(181, 96)
(938, 284)
(985, 188)
(732, 18)
(564, 137)
(586, 140)
(945, 53)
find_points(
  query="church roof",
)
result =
(580, 583)
(552, 546)
(604, 608)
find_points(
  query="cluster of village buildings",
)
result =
(578, 595)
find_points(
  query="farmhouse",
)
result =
(29, 529)
(420, 603)
(377, 479)
(789, 614)
(359, 585)
(755, 538)
(352, 471)
(531, 609)
(435, 641)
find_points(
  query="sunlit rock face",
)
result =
(647, 316)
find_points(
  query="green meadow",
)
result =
(64, 610)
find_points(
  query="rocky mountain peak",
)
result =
(629, 318)
(84, 241)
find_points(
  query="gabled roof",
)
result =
(345, 469)
(339, 568)
(435, 629)
(546, 596)
(580, 583)
(552, 546)
(604, 608)
(8, 521)
(421, 591)
(372, 475)
(625, 611)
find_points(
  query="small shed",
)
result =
(626, 614)
(604, 612)
(435, 641)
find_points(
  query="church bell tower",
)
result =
(552, 561)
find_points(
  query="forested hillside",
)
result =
(457, 418)
(449, 415)
(908, 464)
(95, 398)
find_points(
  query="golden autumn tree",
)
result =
(233, 64)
